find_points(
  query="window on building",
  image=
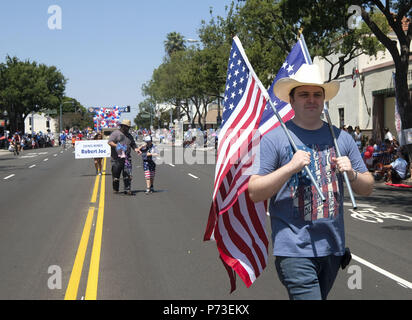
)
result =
(47, 124)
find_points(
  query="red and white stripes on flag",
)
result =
(235, 222)
(149, 174)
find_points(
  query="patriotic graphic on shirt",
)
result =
(307, 204)
(235, 222)
(293, 62)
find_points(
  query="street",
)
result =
(64, 234)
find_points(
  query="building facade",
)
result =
(367, 96)
(40, 122)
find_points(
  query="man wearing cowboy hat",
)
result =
(307, 233)
(121, 142)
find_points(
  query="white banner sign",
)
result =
(85, 149)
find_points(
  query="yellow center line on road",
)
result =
(71, 292)
(92, 281)
(95, 189)
(74, 281)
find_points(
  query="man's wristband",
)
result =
(356, 176)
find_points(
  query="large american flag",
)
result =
(235, 222)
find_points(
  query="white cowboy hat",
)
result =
(307, 75)
(126, 122)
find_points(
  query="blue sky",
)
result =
(107, 49)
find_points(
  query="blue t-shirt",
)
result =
(302, 224)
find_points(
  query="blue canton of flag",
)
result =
(236, 82)
(291, 65)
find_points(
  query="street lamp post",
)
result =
(218, 118)
(32, 123)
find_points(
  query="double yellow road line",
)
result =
(92, 280)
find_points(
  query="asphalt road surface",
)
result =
(64, 234)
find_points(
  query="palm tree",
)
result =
(174, 42)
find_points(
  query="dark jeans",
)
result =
(118, 166)
(308, 278)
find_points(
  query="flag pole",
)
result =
(335, 142)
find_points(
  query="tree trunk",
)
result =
(377, 118)
(403, 99)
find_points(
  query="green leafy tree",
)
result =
(166, 87)
(328, 33)
(27, 87)
(174, 42)
(145, 117)
(74, 115)
(266, 36)
(216, 36)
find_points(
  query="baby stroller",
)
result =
(12, 148)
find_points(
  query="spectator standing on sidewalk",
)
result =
(122, 142)
(388, 135)
(357, 136)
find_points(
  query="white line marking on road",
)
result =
(8, 177)
(360, 205)
(399, 280)
(193, 176)
(46, 159)
(172, 165)
(32, 166)
(55, 155)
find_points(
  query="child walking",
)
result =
(148, 151)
